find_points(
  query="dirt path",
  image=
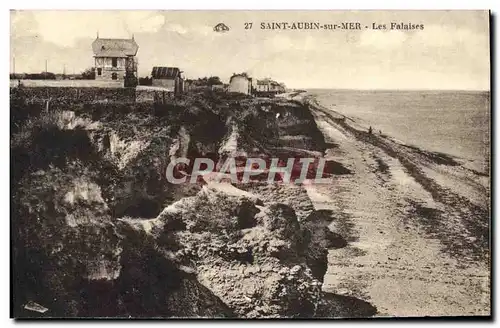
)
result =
(412, 251)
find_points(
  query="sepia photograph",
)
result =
(250, 164)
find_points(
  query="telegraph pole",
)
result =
(45, 69)
(14, 66)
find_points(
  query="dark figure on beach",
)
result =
(380, 132)
(370, 130)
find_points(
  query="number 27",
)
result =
(248, 26)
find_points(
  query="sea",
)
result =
(456, 123)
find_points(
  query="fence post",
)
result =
(47, 105)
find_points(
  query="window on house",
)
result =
(114, 76)
(99, 71)
(114, 62)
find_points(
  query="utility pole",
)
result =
(14, 66)
(45, 69)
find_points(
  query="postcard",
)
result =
(250, 164)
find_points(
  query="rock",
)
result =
(231, 191)
(66, 237)
(267, 267)
(284, 271)
(213, 210)
(280, 218)
(33, 306)
(100, 232)
(194, 300)
(315, 229)
(295, 270)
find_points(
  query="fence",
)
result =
(77, 95)
(68, 83)
(157, 96)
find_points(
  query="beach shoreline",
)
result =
(412, 217)
(420, 119)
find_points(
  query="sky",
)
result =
(451, 52)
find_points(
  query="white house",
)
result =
(240, 83)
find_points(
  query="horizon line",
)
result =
(389, 89)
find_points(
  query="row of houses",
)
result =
(268, 86)
(115, 60)
(242, 83)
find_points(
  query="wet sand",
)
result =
(416, 222)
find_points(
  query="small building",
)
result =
(114, 58)
(240, 83)
(219, 87)
(268, 87)
(169, 78)
(262, 85)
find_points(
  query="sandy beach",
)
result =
(416, 222)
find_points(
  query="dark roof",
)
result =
(161, 72)
(114, 47)
(263, 82)
(267, 81)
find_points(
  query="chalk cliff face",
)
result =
(99, 231)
